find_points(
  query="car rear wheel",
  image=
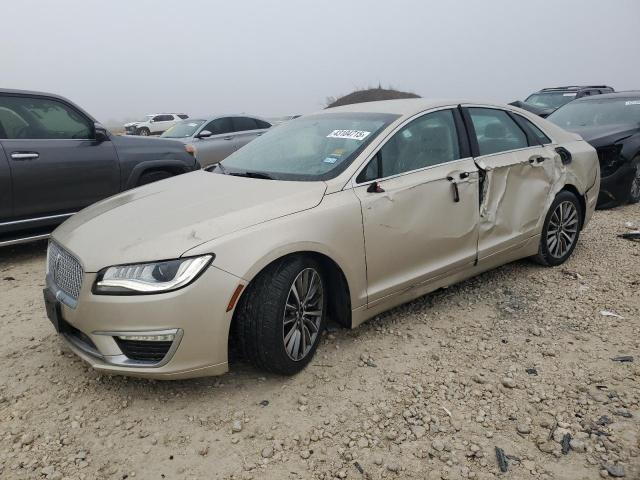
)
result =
(144, 131)
(282, 315)
(634, 191)
(561, 230)
(154, 176)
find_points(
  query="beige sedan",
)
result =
(341, 214)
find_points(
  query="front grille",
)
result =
(609, 158)
(142, 350)
(64, 270)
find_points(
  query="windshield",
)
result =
(146, 118)
(183, 129)
(592, 113)
(551, 99)
(316, 147)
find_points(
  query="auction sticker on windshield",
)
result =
(349, 134)
(632, 102)
(568, 94)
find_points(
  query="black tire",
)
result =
(260, 316)
(154, 176)
(634, 189)
(144, 132)
(547, 255)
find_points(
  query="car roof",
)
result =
(611, 96)
(406, 106)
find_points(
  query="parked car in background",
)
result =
(544, 102)
(154, 124)
(55, 159)
(215, 138)
(344, 213)
(611, 123)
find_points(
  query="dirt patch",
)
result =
(519, 358)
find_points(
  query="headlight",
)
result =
(154, 277)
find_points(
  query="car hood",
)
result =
(604, 135)
(132, 124)
(165, 219)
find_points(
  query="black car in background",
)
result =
(611, 124)
(547, 100)
(55, 159)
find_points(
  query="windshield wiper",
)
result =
(251, 174)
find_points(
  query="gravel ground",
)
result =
(519, 358)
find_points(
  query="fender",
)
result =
(172, 165)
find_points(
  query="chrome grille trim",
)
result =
(64, 270)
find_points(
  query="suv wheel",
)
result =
(560, 231)
(144, 131)
(282, 315)
(151, 177)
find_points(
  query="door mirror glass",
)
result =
(204, 134)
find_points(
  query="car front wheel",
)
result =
(561, 230)
(144, 131)
(282, 315)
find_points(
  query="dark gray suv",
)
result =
(55, 159)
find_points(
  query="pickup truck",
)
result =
(55, 159)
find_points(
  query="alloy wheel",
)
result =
(562, 230)
(303, 314)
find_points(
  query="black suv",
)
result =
(547, 100)
(55, 159)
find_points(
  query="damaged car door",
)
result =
(419, 199)
(518, 171)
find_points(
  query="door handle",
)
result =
(228, 138)
(456, 192)
(464, 175)
(25, 155)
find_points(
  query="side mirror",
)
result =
(100, 133)
(204, 134)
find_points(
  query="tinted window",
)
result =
(496, 131)
(244, 123)
(429, 140)
(41, 118)
(219, 126)
(158, 118)
(539, 134)
(183, 116)
(263, 124)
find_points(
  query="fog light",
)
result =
(148, 338)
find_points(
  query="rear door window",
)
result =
(495, 131)
(23, 117)
(537, 133)
(241, 124)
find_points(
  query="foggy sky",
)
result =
(124, 58)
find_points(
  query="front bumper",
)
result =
(615, 188)
(196, 315)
